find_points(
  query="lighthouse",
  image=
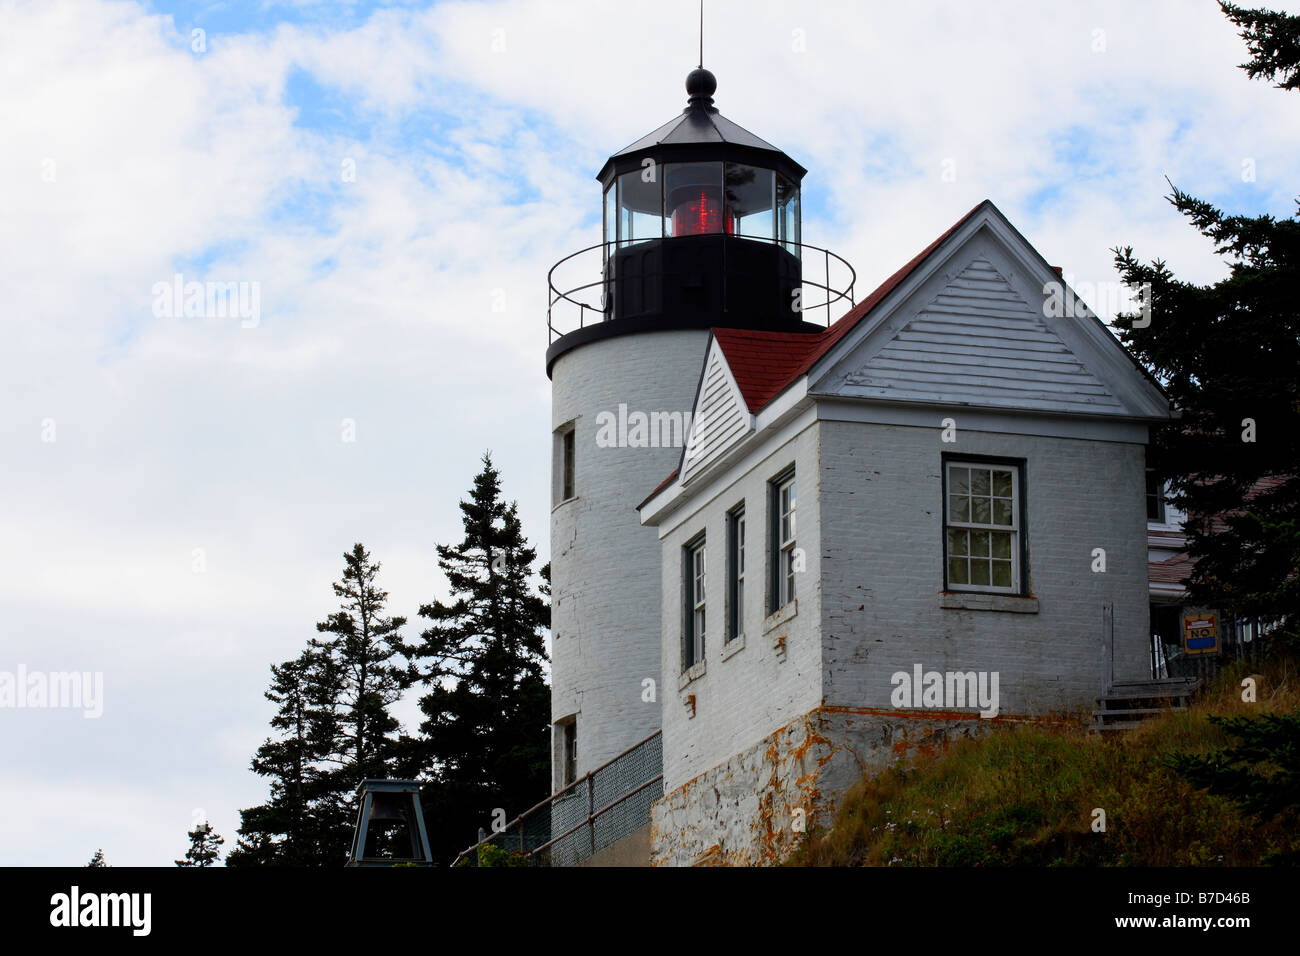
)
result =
(701, 230)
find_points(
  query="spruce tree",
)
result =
(1274, 43)
(1227, 354)
(97, 860)
(366, 646)
(1260, 771)
(485, 733)
(205, 847)
(334, 728)
(302, 824)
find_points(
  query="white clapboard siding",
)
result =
(979, 342)
(720, 419)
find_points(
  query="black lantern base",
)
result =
(724, 280)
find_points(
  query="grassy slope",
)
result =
(1024, 796)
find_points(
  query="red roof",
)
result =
(662, 485)
(765, 364)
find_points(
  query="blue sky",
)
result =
(409, 299)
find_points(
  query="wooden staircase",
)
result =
(1128, 703)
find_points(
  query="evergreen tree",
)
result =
(1227, 354)
(97, 859)
(367, 648)
(334, 728)
(205, 847)
(302, 824)
(487, 712)
(1274, 43)
(1260, 772)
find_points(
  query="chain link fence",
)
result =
(593, 813)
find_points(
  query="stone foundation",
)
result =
(750, 810)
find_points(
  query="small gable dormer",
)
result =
(720, 418)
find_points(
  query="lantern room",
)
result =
(700, 229)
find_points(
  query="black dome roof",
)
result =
(700, 133)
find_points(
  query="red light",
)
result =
(699, 215)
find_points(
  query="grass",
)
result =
(1027, 796)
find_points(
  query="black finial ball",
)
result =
(701, 84)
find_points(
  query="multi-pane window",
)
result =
(693, 649)
(783, 542)
(1155, 497)
(736, 572)
(983, 526)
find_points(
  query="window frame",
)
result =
(1019, 529)
(736, 531)
(780, 549)
(1162, 514)
(568, 463)
(694, 600)
(568, 755)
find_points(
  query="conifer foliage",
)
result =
(303, 823)
(1227, 354)
(483, 742)
(333, 728)
(205, 846)
(485, 734)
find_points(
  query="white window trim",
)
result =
(736, 531)
(566, 433)
(696, 583)
(786, 590)
(1014, 529)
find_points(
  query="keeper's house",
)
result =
(928, 516)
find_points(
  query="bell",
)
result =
(390, 825)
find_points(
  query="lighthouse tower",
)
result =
(701, 230)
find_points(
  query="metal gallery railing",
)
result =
(592, 813)
(578, 305)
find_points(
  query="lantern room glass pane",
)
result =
(787, 214)
(639, 206)
(692, 199)
(611, 216)
(749, 202)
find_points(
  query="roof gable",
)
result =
(971, 325)
(979, 342)
(720, 418)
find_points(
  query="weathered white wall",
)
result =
(882, 560)
(769, 738)
(752, 809)
(604, 563)
(747, 690)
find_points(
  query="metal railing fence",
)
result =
(592, 813)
